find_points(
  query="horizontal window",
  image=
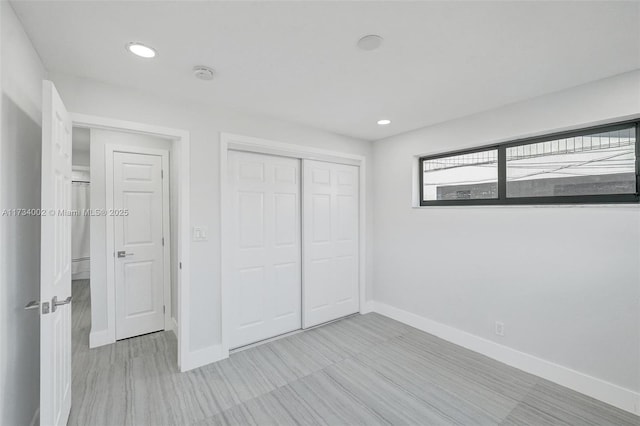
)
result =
(597, 165)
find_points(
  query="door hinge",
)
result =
(161, 174)
(162, 241)
(180, 265)
(164, 309)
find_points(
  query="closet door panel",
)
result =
(330, 248)
(265, 255)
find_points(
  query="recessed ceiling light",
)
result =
(370, 42)
(141, 50)
(384, 122)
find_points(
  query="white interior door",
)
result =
(138, 241)
(265, 248)
(55, 261)
(331, 248)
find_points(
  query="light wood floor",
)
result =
(365, 370)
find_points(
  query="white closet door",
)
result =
(265, 251)
(330, 212)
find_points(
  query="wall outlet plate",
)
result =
(200, 233)
(499, 328)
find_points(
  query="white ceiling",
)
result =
(297, 61)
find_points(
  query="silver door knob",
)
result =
(123, 253)
(34, 304)
(55, 303)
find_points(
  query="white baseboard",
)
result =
(100, 338)
(174, 327)
(609, 393)
(35, 420)
(368, 307)
(204, 356)
(170, 324)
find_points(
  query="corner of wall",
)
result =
(369, 306)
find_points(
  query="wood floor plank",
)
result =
(468, 405)
(388, 400)
(332, 403)
(553, 404)
(101, 396)
(464, 364)
(302, 358)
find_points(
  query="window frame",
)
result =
(502, 172)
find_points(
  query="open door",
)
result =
(55, 261)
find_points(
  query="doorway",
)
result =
(80, 238)
(179, 143)
(122, 155)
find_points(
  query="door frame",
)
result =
(235, 142)
(181, 143)
(110, 150)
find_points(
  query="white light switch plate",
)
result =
(200, 233)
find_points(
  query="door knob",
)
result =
(123, 253)
(34, 304)
(55, 303)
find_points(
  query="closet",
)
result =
(294, 251)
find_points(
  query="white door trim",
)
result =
(110, 149)
(236, 142)
(181, 138)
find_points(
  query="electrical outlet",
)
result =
(499, 328)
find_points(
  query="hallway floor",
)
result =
(366, 369)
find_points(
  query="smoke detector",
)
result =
(370, 42)
(203, 73)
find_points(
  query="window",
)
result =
(598, 165)
(471, 176)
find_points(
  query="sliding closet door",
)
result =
(330, 255)
(265, 290)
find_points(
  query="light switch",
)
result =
(200, 233)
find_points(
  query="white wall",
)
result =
(204, 124)
(80, 146)
(20, 165)
(564, 280)
(99, 290)
(80, 157)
